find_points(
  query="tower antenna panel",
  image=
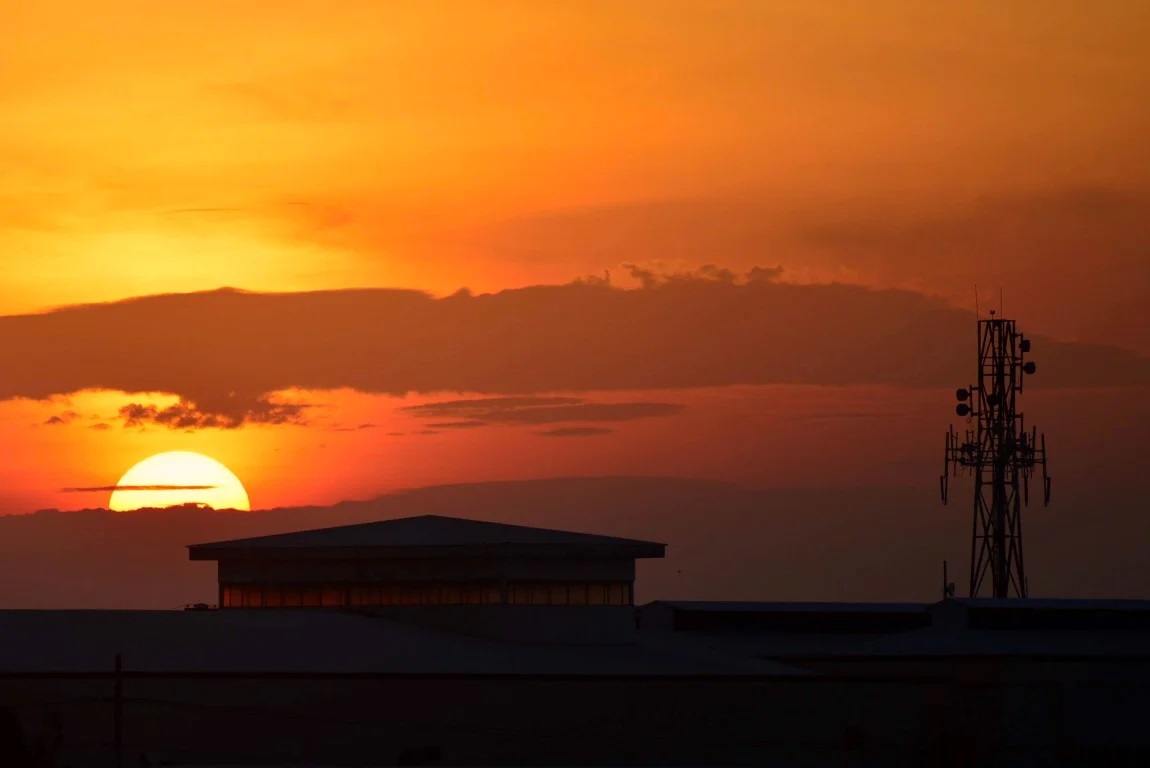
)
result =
(1000, 455)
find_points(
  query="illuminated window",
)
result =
(334, 596)
(596, 594)
(368, 596)
(617, 593)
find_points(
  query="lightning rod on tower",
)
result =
(1001, 455)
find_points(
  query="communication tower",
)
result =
(1001, 455)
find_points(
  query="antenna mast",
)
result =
(1001, 455)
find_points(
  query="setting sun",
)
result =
(179, 477)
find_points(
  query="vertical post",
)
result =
(1002, 414)
(1058, 702)
(945, 589)
(118, 713)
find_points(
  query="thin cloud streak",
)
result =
(109, 488)
(535, 410)
(575, 432)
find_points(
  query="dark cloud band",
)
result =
(224, 352)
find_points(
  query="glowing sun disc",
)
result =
(175, 478)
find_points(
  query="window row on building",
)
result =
(319, 596)
(595, 593)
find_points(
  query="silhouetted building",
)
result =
(427, 560)
(468, 575)
(435, 639)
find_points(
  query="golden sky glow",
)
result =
(693, 271)
(306, 146)
(297, 146)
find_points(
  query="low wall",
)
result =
(549, 624)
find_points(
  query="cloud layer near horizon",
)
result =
(224, 352)
(725, 542)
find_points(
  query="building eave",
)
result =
(637, 550)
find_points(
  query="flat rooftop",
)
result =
(1019, 628)
(724, 606)
(317, 642)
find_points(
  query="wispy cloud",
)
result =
(231, 413)
(576, 432)
(67, 417)
(179, 211)
(109, 488)
(536, 410)
(353, 429)
(487, 405)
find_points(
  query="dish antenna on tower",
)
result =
(1001, 455)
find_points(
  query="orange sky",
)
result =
(403, 143)
(437, 145)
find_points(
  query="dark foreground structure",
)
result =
(442, 641)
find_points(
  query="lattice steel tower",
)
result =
(1001, 455)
